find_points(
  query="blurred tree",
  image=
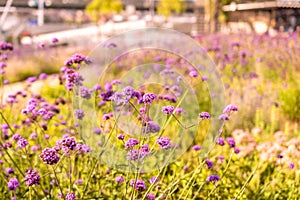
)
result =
(96, 9)
(167, 7)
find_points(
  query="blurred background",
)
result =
(77, 22)
(254, 44)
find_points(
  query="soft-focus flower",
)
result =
(148, 98)
(291, 165)
(150, 196)
(49, 156)
(85, 92)
(230, 108)
(223, 117)
(213, 178)
(32, 177)
(10, 170)
(71, 196)
(78, 181)
(168, 109)
(164, 142)
(154, 180)
(79, 114)
(16, 137)
(54, 40)
(131, 142)
(196, 147)
(151, 127)
(13, 184)
(280, 156)
(236, 150)
(97, 130)
(22, 143)
(133, 154)
(119, 179)
(221, 141)
(230, 142)
(139, 185)
(209, 163)
(193, 73)
(204, 115)
(121, 137)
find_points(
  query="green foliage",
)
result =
(103, 7)
(289, 101)
(167, 7)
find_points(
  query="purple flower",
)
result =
(145, 150)
(41, 44)
(196, 148)
(164, 142)
(54, 40)
(150, 196)
(72, 78)
(120, 98)
(82, 148)
(151, 127)
(236, 150)
(221, 158)
(85, 92)
(213, 178)
(204, 115)
(121, 137)
(33, 136)
(42, 76)
(154, 180)
(168, 109)
(49, 156)
(193, 73)
(148, 98)
(230, 108)
(139, 185)
(179, 111)
(131, 142)
(46, 136)
(79, 114)
(5, 46)
(106, 116)
(204, 78)
(16, 137)
(22, 143)
(2, 65)
(280, 156)
(209, 163)
(68, 143)
(97, 130)
(10, 170)
(32, 177)
(221, 141)
(133, 154)
(223, 117)
(79, 181)
(291, 165)
(13, 184)
(128, 91)
(35, 148)
(7, 145)
(230, 142)
(119, 179)
(71, 196)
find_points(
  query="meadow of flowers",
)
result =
(255, 152)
